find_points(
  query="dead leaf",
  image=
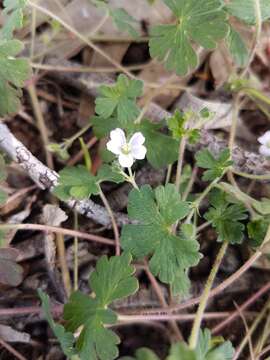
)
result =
(53, 215)
(11, 273)
(8, 334)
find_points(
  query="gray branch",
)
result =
(46, 178)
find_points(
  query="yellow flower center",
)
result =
(125, 149)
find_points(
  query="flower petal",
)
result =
(138, 152)
(137, 139)
(114, 147)
(126, 160)
(265, 138)
(118, 136)
(264, 150)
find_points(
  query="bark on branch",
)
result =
(46, 178)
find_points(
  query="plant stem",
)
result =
(84, 69)
(205, 295)
(181, 153)
(251, 176)
(41, 123)
(163, 301)
(57, 230)
(78, 134)
(114, 225)
(61, 251)
(132, 179)
(251, 330)
(242, 308)
(197, 202)
(75, 254)
(169, 174)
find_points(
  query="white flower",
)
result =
(127, 152)
(265, 141)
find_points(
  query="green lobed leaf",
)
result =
(156, 211)
(76, 182)
(162, 149)
(142, 354)
(109, 173)
(225, 217)
(180, 351)
(201, 21)
(207, 349)
(257, 230)
(215, 166)
(66, 339)
(247, 13)
(237, 48)
(177, 125)
(13, 73)
(119, 100)
(213, 348)
(13, 9)
(113, 279)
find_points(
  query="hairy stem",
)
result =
(205, 296)
(181, 153)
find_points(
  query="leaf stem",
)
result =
(205, 295)
(181, 153)
(75, 254)
(40, 123)
(114, 225)
(197, 202)
(132, 180)
(251, 176)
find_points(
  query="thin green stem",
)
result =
(131, 179)
(114, 224)
(251, 176)
(169, 174)
(41, 123)
(205, 295)
(75, 254)
(74, 137)
(197, 202)
(181, 153)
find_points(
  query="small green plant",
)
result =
(163, 223)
